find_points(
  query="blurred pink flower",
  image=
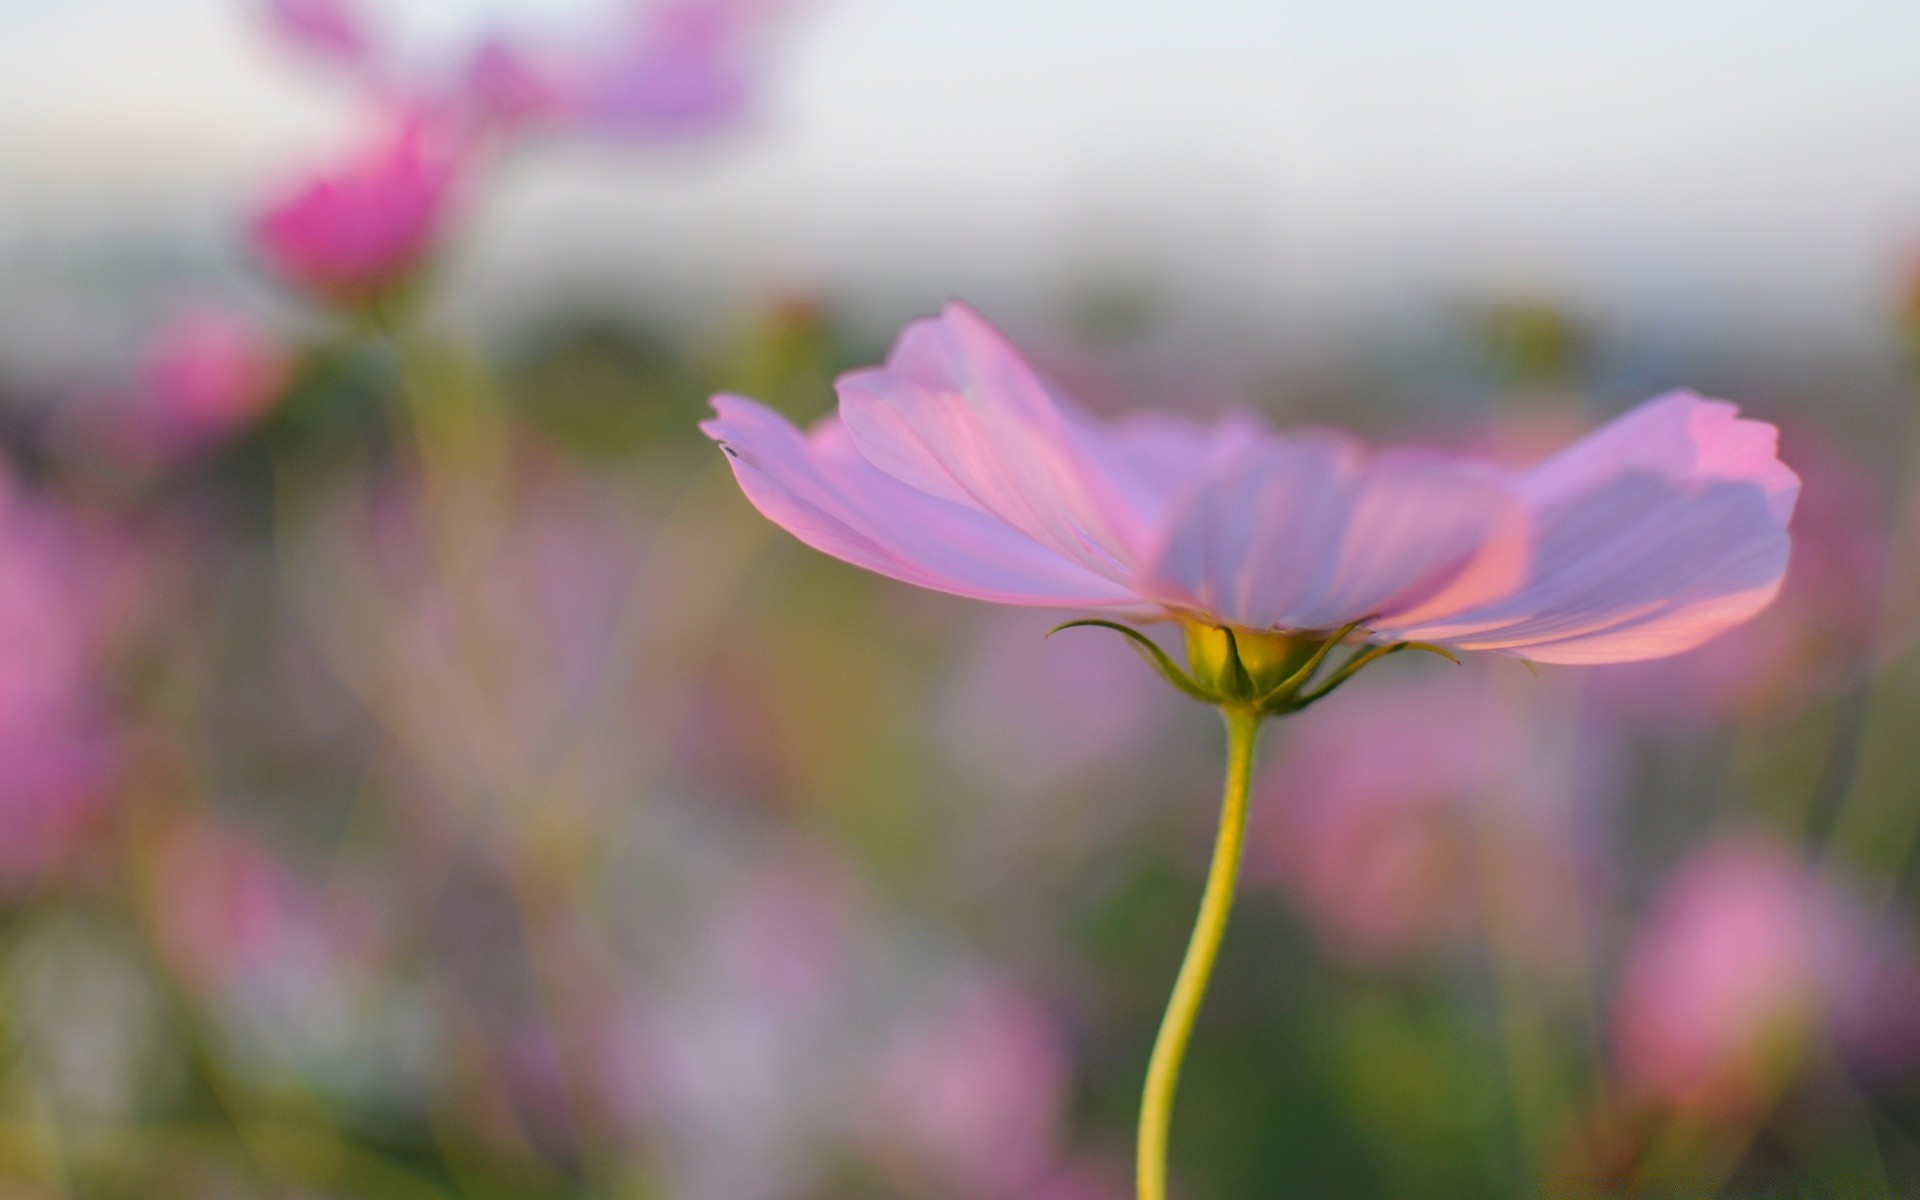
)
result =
(207, 372)
(366, 225)
(1813, 639)
(66, 597)
(333, 31)
(290, 969)
(681, 66)
(227, 908)
(954, 467)
(976, 1088)
(1750, 957)
(735, 1050)
(655, 68)
(1467, 819)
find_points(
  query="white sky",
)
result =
(1738, 165)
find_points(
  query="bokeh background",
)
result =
(422, 775)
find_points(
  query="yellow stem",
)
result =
(1190, 988)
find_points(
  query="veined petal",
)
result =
(958, 414)
(1313, 533)
(1655, 533)
(818, 487)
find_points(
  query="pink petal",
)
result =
(1662, 529)
(818, 488)
(1312, 533)
(956, 413)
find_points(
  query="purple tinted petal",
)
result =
(1652, 535)
(818, 488)
(1311, 534)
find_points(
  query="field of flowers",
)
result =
(586, 756)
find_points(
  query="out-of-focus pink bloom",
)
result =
(228, 910)
(289, 968)
(684, 66)
(1412, 815)
(366, 225)
(743, 1024)
(954, 467)
(975, 1089)
(207, 372)
(1748, 958)
(334, 31)
(65, 598)
(1815, 637)
(658, 68)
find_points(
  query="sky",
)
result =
(1718, 169)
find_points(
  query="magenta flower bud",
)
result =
(362, 229)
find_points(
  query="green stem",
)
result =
(1190, 988)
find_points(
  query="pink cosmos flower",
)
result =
(1472, 819)
(1749, 956)
(956, 468)
(206, 372)
(366, 225)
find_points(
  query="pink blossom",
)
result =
(976, 1088)
(1469, 818)
(287, 965)
(334, 31)
(1814, 638)
(954, 467)
(228, 909)
(207, 372)
(682, 65)
(1748, 957)
(64, 602)
(658, 68)
(736, 1051)
(365, 226)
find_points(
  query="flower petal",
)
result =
(817, 487)
(1655, 533)
(1312, 533)
(958, 414)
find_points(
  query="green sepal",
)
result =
(1149, 650)
(1282, 696)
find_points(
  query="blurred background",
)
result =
(423, 775)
